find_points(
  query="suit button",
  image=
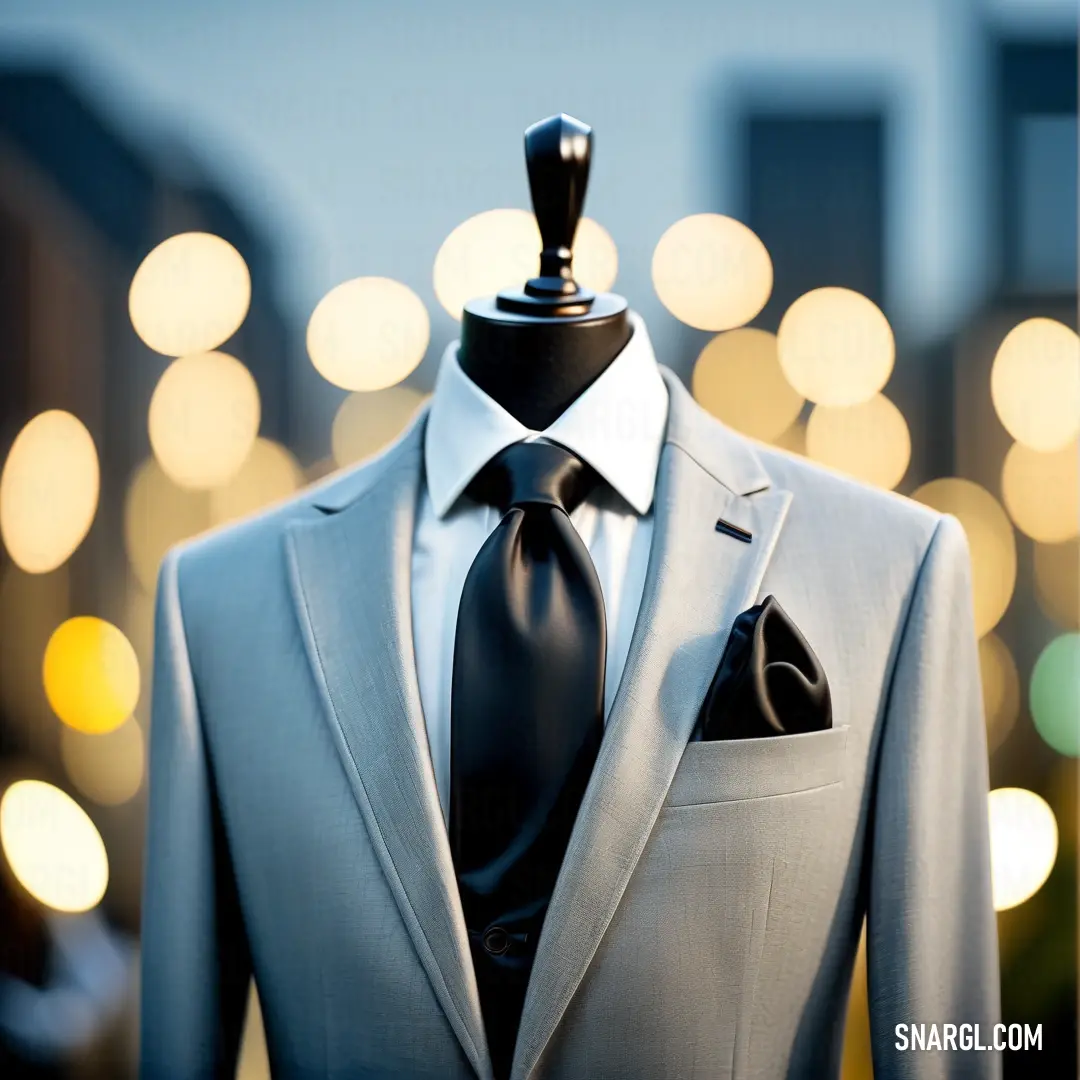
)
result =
(496, 941)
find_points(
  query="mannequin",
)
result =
(707, 907)
(535, 351)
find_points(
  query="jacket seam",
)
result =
(916, 585)
(886, 715)
(216, 809)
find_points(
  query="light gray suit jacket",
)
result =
(707, 913)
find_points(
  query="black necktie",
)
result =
(526, 716)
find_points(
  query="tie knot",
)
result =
(531, 473)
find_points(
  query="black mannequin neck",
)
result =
(535, 368)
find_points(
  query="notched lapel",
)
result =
(698, 580)
(351, 586)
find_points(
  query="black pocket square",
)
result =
(769, 681)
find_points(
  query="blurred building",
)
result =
(81, 204)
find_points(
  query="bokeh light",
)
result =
(368, 333)
(712, 272)
(91, 674)
(836, 346)
(1054, 694)
(365, 423)
(190, 294)
(596, 258)
(500, 249)
(158, 514)
(491, 251)
(856, 1061)
(254, 1060)
(1035, 384)
(738, 379)
(1000, 687)
(48, 491)
(52, 846)
(108, 769)
(269, 474)
(136, 621)
(990, 539)
(1057, 582)
(1023, 845)
(204, 416)
(869, 441)
(1041, 491)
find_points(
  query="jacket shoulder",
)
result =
(236, 547)
(884, 519)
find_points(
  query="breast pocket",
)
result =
(731, 770)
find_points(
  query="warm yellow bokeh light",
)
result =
(136, 621)
(107, 769)
(52, 846)
(596, 258)
(204, 416)
(91, 674)
(1023, 845)
(365, 423)
(738, 379)
(269, 474)
(836, 346)
(990, 538)
(1057, 582)
(254, 1061)
(1041, 491)
(1001, 689)
(492, 251)
(712, 272)
(869, 441)
(48, 491)
(1035, 384)
(856, 1061)
(500, 249)
(368, 333)
(190, 294)
(158, 514)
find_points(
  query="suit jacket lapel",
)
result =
(350, 576)
(697, 581)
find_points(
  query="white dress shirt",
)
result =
(617, 426)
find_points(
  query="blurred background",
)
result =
(235, 239)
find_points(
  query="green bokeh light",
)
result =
(1055, 694)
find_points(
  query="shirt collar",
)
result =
(617, 425)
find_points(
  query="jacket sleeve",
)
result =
(195, 963)
(932, 952)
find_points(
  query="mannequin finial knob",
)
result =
(558, 151)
